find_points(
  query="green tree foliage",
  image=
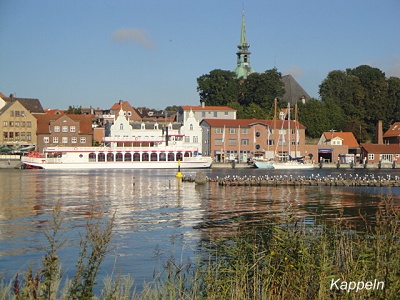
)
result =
(263, 88)
(218, 87)
(72, 110)
(256, 93)
(365, 97)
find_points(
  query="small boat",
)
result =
(292, 165)
(152, 157)
(263, 164)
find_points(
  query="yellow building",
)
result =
(17, 124)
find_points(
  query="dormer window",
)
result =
(121, 126)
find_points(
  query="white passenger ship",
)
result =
(146, 155)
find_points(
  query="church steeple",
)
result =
(243, 68)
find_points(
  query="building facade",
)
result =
(17, 125)
(205, 112)
(64, 130)
(226, 140)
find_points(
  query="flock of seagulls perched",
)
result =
(310, 180)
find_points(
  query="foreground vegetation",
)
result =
(269, 261)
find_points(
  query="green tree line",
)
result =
(351, 100)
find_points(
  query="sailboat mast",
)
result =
(289, 135)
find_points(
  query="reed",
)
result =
(268, 261)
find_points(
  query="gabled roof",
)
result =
(43, 122)
(348, 138)
(293, 90)
(251, 122)
(32, 105)
(125, 106)
(394, 130)
(381, 148)
(206, 108)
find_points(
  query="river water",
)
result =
(157, 215)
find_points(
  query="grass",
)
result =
(268, 261)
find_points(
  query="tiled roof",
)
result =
(194, 107)
(125, 106)
(43, 121)
(32, 105)
(251, 122)
(394, 130)
(293, 90)
(381, 148)
(347, 137)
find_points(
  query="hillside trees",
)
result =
(365, 96)
(253, 97)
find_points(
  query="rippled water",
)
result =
(156, 213)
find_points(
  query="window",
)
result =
(245, 142)
(46, 139)
(55, 139)
(22, 113)
(74, 140)
(218, 142)
(56, 128)
(215, 114)
(5, 123)
(121, 126)
(387, 157)
(232, 130)
(155, 126)
(191, 127)
(218, 130)
(17, 136)
(203, 114)
(82, 140)
(11, 113)
(28, 136)
(195, 139)
(65, 129)
(11, 124)
(65, 140)
(11, 135)
(16, 123)
(23, 123)
(226, 113)
(187, 139)
(129, 113)
(22, 136)
(17, 113)
(371, 156)
(28, 124)
(232, 142)
(5, 135)
(244, 130)
(72, 128)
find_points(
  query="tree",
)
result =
(72, 110)
(393, 103)
(218, 87)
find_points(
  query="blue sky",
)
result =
(150, 52)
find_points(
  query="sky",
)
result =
(151, 52)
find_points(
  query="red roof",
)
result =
(194, 107)
(251, 122)
(43, 121)
(394, 130)
(347, 137)
(381, 148)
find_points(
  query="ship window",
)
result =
(162, 156)
(110, 156)
(92, 157)
(187, 154)
(102, 157)
(128, 156)
(118, 156)
(80, 155)
(145, 156)
(179, 156)
(171, 156)
(136, 157)
(153, 156)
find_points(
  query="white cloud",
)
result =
(135, 35)
(294, 71)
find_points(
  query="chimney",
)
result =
(203, 104)
(379, 133)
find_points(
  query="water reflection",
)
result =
(153, 210)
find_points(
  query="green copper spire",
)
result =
(243, 68)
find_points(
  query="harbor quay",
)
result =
(369, 180)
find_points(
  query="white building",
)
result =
(122, 131)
